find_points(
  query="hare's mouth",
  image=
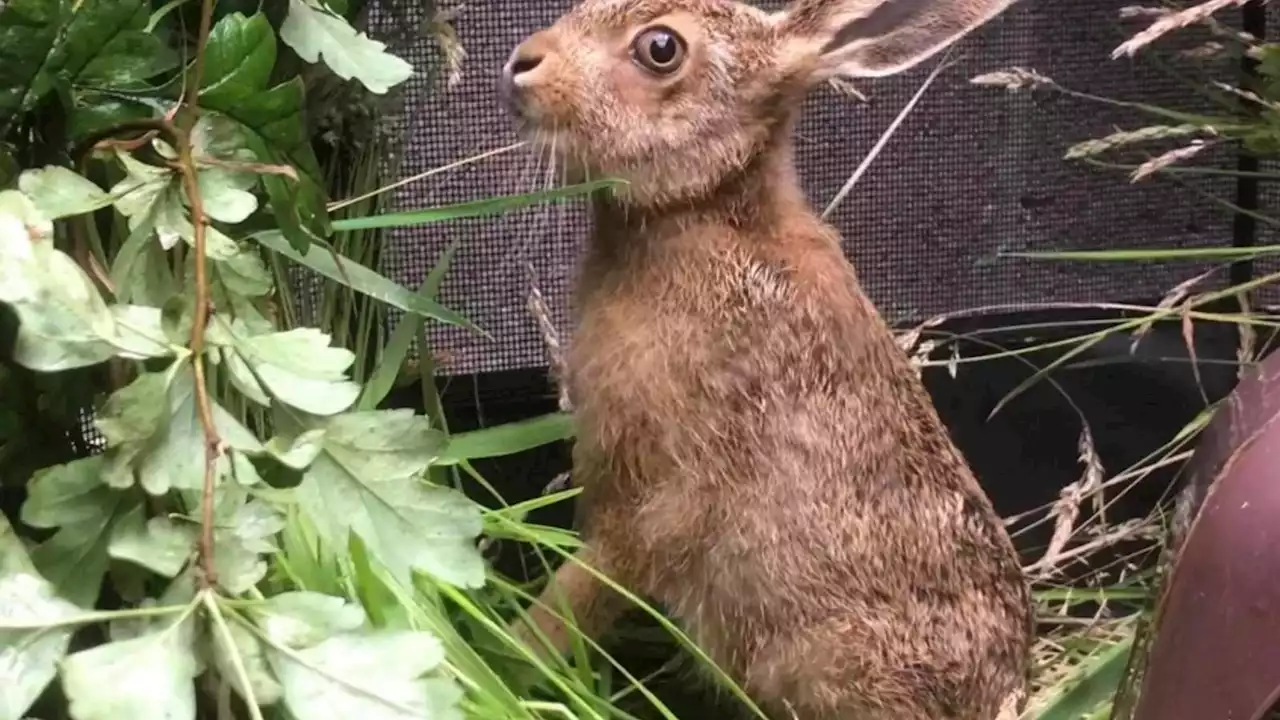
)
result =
(558, 147)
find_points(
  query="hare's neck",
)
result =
(754, 202)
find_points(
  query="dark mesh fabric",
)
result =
(1268, 224)
(971, 173)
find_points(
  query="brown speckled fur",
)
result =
(755, 451)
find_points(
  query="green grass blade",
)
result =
(476, 208)
(507, 439)
(363, 280)
(1094, 683)
(1158, 254)
(383, 377)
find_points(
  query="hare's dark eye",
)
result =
(658, 50)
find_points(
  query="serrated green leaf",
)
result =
(172, 454)
(367, 481)
(298, 452)
(73, 497)
(314, 32)
(216, 144)
(134, 412)
(241, 53)
(299, 619)
(150, 677)
(66, 494)
(157, 544)
(374, 676)
(140, 271)
(28, 657)
(245, 529)
(63, 321)
(75, 558)
(149, 194)
(364, 280)
(245, 274)
(299, 367)
(59, 192)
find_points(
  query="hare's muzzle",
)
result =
(522, 71)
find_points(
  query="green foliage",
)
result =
(259, 520)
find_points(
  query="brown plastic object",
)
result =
(1216, 652)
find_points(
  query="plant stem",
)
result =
(212, 443)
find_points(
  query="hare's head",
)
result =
(675, 95)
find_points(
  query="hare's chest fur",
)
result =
(765, 454)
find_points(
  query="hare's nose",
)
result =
(527, 57)
(521, 63)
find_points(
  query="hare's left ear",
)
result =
(871, 38)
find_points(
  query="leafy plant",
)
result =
(253, 535)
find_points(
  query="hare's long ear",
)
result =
(870, 38)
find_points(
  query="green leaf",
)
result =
(367, 481)
(299, 452)
(217, 143)
(58, 192)
(75, 558)
(66, 494)
(28, 31)
(155, 195)
(373, 676)
(171, 455)
(63, 321)
(44, 43)
(245, 530)
(106, 44)
(237, 71)
(156, 544)
(73, 497)
(28, 657)
(94, 112)
(140, 271)
(507, 439)
(298, 619)
(363, 280)
(299, 367)
(150, 677)
(476, 208)
(238, 59)
(314, 32)
(134, 412)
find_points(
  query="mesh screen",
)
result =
(971, 173)
(1268, 233)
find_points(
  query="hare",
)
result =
(755, 451)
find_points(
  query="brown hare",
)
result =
(755, 451)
